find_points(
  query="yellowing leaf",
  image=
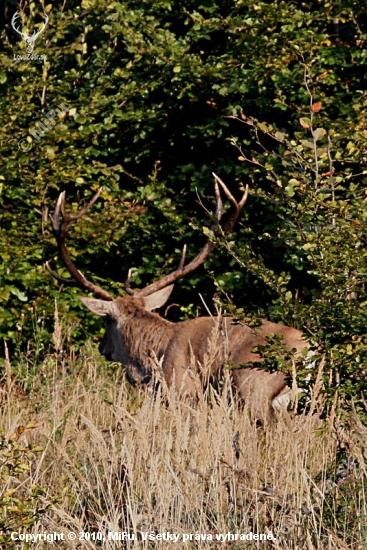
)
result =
(290, 191)
(305, 122)
(308, 144)
(319, 133)
(50, 153)
(9, 492)
(31, 425)
(13, 508)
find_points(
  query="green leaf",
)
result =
(308, 246)
(290, 190)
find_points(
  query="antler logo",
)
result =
(29, 40)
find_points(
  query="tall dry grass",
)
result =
(116, 458)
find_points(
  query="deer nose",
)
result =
(103, 351)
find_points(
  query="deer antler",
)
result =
(60, 235)
(183, 269)
(29, 40)
(13, 23)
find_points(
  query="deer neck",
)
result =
(146, 336)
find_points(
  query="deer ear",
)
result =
(157, 299)
(99, 307)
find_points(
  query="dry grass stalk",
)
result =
(124, 459)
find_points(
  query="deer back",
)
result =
(214, 341)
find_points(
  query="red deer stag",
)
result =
(135, 336)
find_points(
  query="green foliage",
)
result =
(22, 502)
(321, 221)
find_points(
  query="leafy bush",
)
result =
(22, 502)
(318, 219)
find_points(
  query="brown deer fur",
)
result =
(135, 336)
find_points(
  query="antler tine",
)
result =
(60, 235)
(128, 288)
(218, 207)
(237, 205)
(60, 278)
(57, 276)
(183, 269)
(132, 292)
(14, 20)
(72, 218)
(85, 209)
(60, 205)
(227, 192)
(230, 222)
(183, 258)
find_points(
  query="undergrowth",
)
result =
(82, 451)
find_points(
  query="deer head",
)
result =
(29, 40)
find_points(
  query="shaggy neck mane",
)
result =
(145, 332)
